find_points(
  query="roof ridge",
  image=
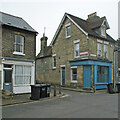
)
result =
(10, 15)
(77, 17)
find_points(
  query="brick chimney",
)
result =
(92, 17)
(43, 44)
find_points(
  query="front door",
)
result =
(63, 76)
(7, 85)
(86, 76)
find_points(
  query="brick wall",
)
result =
(64, 50)
(8, 43)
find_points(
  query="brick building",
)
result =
(81, 54)
(17, 54)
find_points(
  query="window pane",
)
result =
(19, 70)
(27, 79)
(99, 49)
(17, 48)
(27, 70)
(76, 49)
(19, 42)
(68, 31)
(54, 61)
(74, 74)
(19, 80)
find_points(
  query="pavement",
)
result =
(25, 98)
(76, 105)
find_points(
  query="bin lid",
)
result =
(36, 85)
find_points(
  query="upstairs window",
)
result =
(106, 51)
(103, 32)
(19, 44)
(76, 48)
(54, 61)
(99, 49)
(68, 30)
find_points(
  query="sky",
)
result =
(47, 14)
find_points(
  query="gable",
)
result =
(84, 26)
(61, 24)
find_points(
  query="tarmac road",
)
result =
(76, 105)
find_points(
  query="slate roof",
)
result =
(86, 25)
(90, 26)
(14, 21)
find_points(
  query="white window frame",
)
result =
(23, 75)
(99, 45)
(106, 51)
(21, 45)
(67, 26)
(76, 42)
(73, 81)
(53, 65)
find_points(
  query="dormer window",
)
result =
(68, 30)
(103, 31)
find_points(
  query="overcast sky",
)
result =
(48, 13)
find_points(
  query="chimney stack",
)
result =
(43, 44)
(92, 15)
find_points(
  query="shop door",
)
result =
(86, 76)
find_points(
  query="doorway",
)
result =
(7, 77)
(63, 76)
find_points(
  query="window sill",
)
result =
(19, 85)
(18, 53)
(76, 56)
(74, 81)
(54, 68)
(68, 36)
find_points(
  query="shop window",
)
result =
(102, 74)
(22, 75)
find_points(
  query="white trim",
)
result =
(62, 66)
(2, 78)
(107, 43)
(67, 24)
(76, 41)
(73, 67)
(100, 41)
(77, 25)
(18, 53)
(54, 55)
(61, 24)
(72, 81)
(93, 55)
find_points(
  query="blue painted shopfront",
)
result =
(102, 73)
